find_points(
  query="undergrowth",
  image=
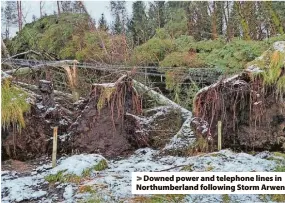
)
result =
(13, 106)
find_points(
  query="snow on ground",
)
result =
(77, 163)
(114, 183)
(16, 189)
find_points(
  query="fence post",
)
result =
(219, 135)
(145, 75)
(54, 147)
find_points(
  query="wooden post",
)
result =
(219, 135)
(54, 148)
(145, 75)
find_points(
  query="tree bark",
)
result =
(243, 21)
(214, 22)
(4, 49)
(58, 8)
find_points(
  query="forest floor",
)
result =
(92, 178)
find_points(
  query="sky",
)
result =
(95, 9)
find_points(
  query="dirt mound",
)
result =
(112, 123)
(36, 138)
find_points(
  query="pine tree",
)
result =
(157, 15)
(138, 24)
(119, 12)
(103, 23)
(117, 26)
(9, 17)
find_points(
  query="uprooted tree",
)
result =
(250, 105)
(115, 119)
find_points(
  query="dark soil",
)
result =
(252, 118)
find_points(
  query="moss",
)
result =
(13, 106)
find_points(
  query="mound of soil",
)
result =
(35, 139)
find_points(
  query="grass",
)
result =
(13, 106)
(226, 198)
(187, 168)
(280, 168)
(279, 154)
(62, 177)
(171, 198)
(200, 145)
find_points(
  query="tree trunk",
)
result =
(41, 9)
(4, 49)
(243, 21)
(274, 17)
(58, 7)
(214, 22)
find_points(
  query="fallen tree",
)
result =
(250, 105)
(111, 121)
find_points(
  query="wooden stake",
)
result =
(219, 135)
(54, 148)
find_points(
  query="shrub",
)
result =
(178, 59)
(235, 54)
(153, 51)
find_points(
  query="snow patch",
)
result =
(68, 193)
(77, 163)
(279, 46)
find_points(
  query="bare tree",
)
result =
(19, 9)
(42, 4)
(58, 7)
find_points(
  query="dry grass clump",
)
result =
(13, 106)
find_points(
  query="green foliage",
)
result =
(177, 25)
(183, 59)
(175, 59)
(49, 34)
(13, 106)
(235, 55)
(209, 45)
(62, 177)
(184, 43)
(153, 51)
(272, 73)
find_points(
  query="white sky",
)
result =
(95, 9)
